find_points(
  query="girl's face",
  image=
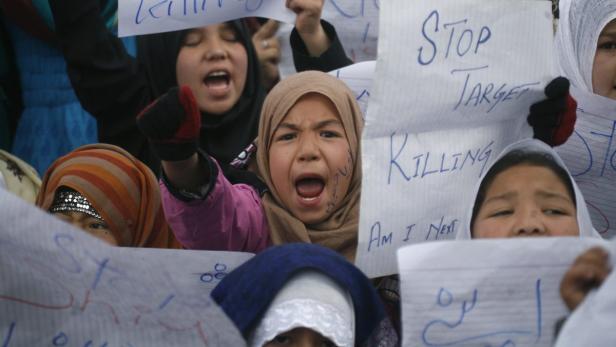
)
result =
(310, 162)
(213, 63)
(93, 226)
(526, 200)
(604, 67)
(300, 337)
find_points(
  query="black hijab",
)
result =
(222, 137)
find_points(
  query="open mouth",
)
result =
(218, 79)
(309, 188)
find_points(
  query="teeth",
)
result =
(217, 74)
(310, 199)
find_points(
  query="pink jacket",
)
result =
(230, 218)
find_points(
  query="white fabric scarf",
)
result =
(581, 22)
(531, 145)
(309, 300)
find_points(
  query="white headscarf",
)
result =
(309, 300)
(531, 145)
(581, 22)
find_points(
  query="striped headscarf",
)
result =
(121, 188)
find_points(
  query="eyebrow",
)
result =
(550, 195)
(611, 34)
(543, 194)
(506, 196)
(319, 125)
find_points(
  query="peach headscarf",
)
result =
(339, 231)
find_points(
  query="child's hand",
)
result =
(587, 272)
(172, 124)
(308, 24)
(553, 119)
(267, 47)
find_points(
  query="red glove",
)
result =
(172, 124)
(553, 119)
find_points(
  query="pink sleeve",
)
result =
(230, 218)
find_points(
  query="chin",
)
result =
(310, 218)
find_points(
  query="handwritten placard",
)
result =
(592, 322)
(501, 293)
(61, 287)
(138, 17)
(590, 155)
(455, 81)
(358, 77)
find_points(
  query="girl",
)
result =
(105, 191)
(308, 157)
(528, 192)
(217, 62)
(303, 295)
(586, 45)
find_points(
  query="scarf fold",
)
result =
(339, 231)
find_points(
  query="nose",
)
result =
(529, 223)
(215, 49)
(308, 150)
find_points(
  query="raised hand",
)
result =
(172, 124)
(267, 47)
(308, 24)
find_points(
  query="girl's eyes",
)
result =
(329, 134)
(192, 39)
(611, 45)
(555, 212)
(286, 137)
(501, 213)
(282, 339)
(98, 225)
(229, 35)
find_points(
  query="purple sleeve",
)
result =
(230, 218)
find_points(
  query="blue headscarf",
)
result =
(246, 293)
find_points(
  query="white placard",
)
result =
(501, 293)
(590, 155)
(454, 82)
(138, 17)
(358, 77)
(61, 287)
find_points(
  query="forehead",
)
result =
(526, 177)
(212, 28)
(312, 107)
